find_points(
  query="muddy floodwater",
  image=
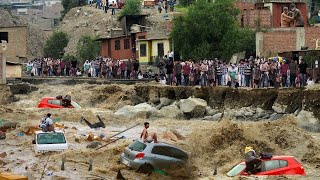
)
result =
(210, 144)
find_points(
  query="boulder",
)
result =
(179, 136)
(261, 113)
(143, 110)
(308, 121)
(2, 135)
(164, 102)
(171, 111)
(210, 111)
(279, 108)
(7, 125)
(3, 155)
(215, 117)
(94, 144)
(193, 107)
(170, 136)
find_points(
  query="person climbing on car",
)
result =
(94, 125)
(66, 101)
(47, 124)
(146, 137)
(252, 162)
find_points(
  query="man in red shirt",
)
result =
(284, 73)
(123, 67)
(186, 72)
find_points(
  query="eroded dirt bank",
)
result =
(210, 143)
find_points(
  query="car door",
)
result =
(274, 167)
(161, 157)
(179, 157)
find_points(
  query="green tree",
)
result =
(210, 30)
(88, 48)
(131, 7)
(55, 45)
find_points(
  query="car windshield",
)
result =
(137, 146)
(75, 105)
(51, 138)
(236, 170)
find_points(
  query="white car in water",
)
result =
(49, 141)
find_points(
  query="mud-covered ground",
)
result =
(210, 144)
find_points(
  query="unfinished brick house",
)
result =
(266, 13)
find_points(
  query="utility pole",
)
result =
(4, 48)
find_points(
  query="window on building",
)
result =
(126, 43)
(117, 45)
(143, 50)
(4, 36)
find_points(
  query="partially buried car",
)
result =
(53, 102)
(145, 157)
(277, 165)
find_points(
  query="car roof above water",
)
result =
(41, 132)
(160, 143)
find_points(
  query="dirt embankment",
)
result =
(222, 98)
(6, 96)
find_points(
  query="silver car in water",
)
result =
(146, 157)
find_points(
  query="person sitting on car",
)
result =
(47, 125)
(66, 101)
(146, 137)
(252, 162)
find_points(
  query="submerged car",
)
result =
(53, 102)
(277, 165)
(146, 157)
(49, 141)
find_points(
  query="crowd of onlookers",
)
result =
(252, 72)
(99, 67)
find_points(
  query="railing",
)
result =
(280, 1)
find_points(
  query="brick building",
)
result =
(276, 40)
(266, 13)
(16, 37)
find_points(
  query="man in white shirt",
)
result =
(49, 124)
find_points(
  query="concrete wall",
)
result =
(277, 40)
(13, 71)
(166, 46)
(17, 45)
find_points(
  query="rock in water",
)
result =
(8, 125)
(171, 111)
(94, 144)
(143, 110)
(193, 107)
(2, 135)
(210, 111)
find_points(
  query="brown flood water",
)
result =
(210, 144)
